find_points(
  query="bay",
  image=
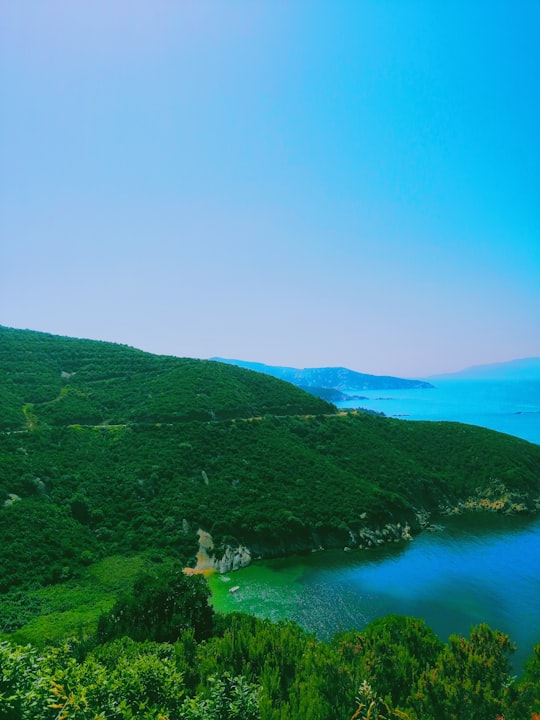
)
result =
(480, 568)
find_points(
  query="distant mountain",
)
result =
(336, 378)
(521, 369)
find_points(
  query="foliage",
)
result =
(120, 681)
(23, 685)
(254, 669)
(230, 698)
(106, 451)
(48, 614)
(63, 381)
(159, 608)
(276, 484)
(370, 706)
(145, 478)
(298, 675)
(470, 679)
(41, 544)
(391, 654)
(530, 686)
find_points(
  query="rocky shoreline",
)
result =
(231, 558)
(496, 498)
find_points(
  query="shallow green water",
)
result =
(480, 568)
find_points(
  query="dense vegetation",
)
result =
(111, 459)
(220, 668)
(52, 380)
(275, 484)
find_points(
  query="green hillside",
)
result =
(52, 380)
(111, 459)
(119, 451)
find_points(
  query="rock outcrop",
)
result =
(231, 558)
(228, 558)
(496, 497)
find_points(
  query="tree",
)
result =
(230, 698)
(471, 679)
(390, 655)
(160, 607)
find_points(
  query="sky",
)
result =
(309, 183)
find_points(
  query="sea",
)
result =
(508, 406)
(474, 569)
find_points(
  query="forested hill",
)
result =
(338, 378)
(106, 449)
(62, 381)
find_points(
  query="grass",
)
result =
(73, 608)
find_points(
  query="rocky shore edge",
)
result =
(496, 497)
(228, 558)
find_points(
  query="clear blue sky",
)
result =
(304, 183)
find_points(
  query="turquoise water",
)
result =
(510, 406)
(480, 569)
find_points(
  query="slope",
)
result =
(74, 492)
(61, 381)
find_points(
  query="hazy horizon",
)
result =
(458, 371)
(309, 185)
(511, 362)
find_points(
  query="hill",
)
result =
(61, 381)
(521, 369)
(337, 378)
(118, 451)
